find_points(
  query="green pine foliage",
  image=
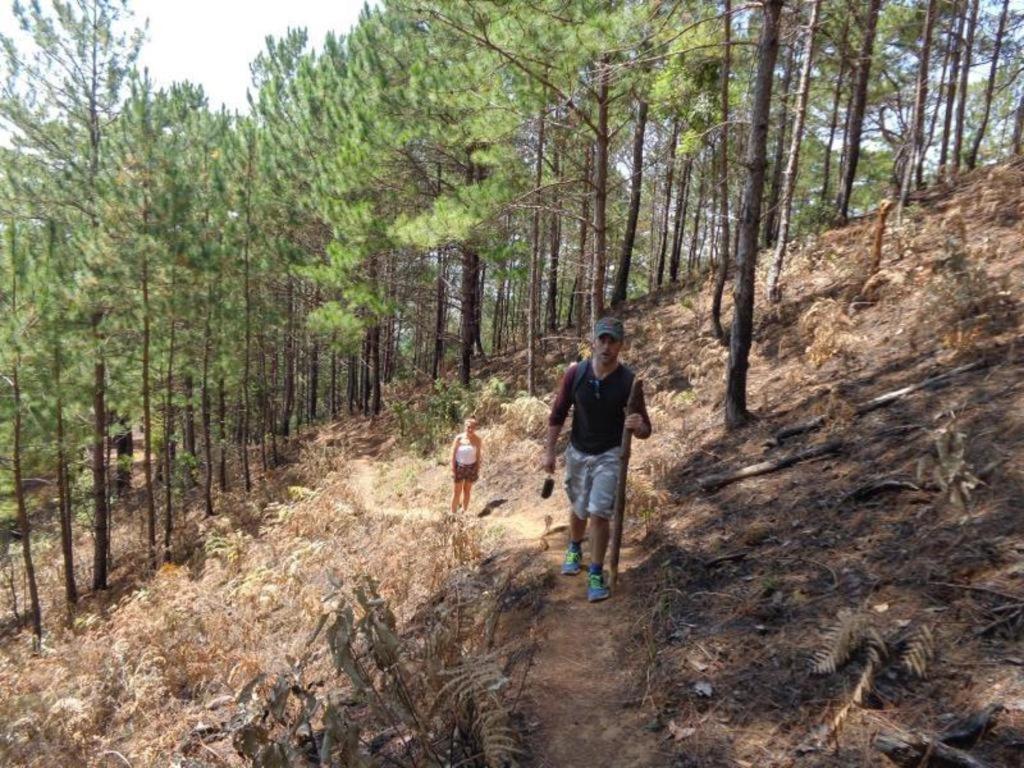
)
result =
(228, 278)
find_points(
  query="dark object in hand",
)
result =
(548, 488)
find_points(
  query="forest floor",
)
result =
(893, 562)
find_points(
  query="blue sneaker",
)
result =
(573, 562)
(597, 590)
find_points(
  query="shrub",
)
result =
(962, 303)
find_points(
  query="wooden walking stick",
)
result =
(636, 398)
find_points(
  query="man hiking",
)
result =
(599, 389)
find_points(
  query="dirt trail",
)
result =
(576, 700)
(578, 690)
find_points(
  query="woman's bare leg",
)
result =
(467, 487)
(456, 493)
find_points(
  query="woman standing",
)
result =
(466, 457)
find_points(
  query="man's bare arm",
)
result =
(554, 430)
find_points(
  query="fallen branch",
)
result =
(874, 487)
(1013, 619)
(973, 588)
(713, 482)
(916, 749)
(898, 394)
(881, 401)
(727, 558)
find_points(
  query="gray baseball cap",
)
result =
(611, 326)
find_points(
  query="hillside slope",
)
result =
(906, 533)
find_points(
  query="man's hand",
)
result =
(635, 423)
(547, 462)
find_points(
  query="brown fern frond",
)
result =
(474, 689)
(877, 653)
(841, 642)
(919, 651)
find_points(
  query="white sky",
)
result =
(212, 42)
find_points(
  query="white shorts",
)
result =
(591, 481)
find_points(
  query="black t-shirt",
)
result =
(599, 408)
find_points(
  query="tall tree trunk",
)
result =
(772, 213)
(190, 416)
(1018, 127)
(965, 72)
(62, 470)
(750, 215)
(919, 172)
(289, 363)
(64, 486)
(300, 381)
(956, 32)
(268, 415)
(857, 112)
(555, 235)
(478, 310)
(508, 337)
(682, 202)
(169, 451)
(108, 463)
(723, 182)
(375, 393)
(972, 155)
(834, 122)
(576, 298)
(335, 398)
(99, 468)
(692, 259)
(247, 288)
(351, 387)
(19, 499)
(373, 340)
(600, 193)
(470, 274)
(439, 318)
(652, 234)
(710, 217)
(24, 526)
(125, 447)
(533, 318)
(920, 99)
(636, 183)
(314, 382)
(793, 164)
(147, 418)
(222, 434)
(669, 177)
(499, 310)
(847, 119)
(721, 270)
(204, 405)
(365, 384)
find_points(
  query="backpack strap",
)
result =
(582, 368)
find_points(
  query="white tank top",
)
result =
(465, 454)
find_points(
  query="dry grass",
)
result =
(963, 303)
(827, 332)
(139, 681)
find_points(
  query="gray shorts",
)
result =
(591, 482)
